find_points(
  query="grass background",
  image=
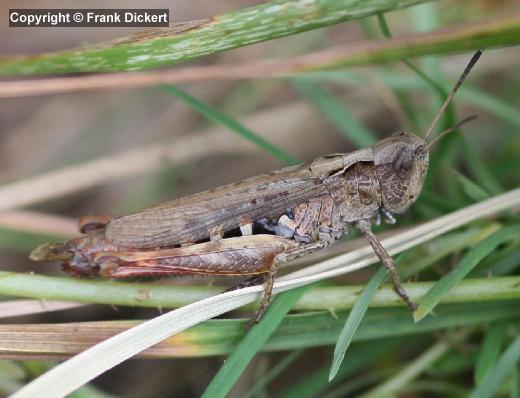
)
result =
(250, 127)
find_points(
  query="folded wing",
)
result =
(198, 216)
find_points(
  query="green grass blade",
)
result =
(439, 290)
(221, 118)
(383, 26)
(473, 190)
(321, 298)
(251, 344)
(504, 367)
(437, 88)
(445, 245)
(426, 15)
(193, 39)
(479, 167)
(453, 362)
(221, 337)
(360, 355)
(471, 95)
(515, 384)
(273, 373)
(354, 319)
(503, 264)
(97, 291)
(496, 106)
(403, 83)
(90, 391)
(490, 350)
(154, 295)
(24, 241)
(356, 384)
(425, 18)
(435, 388)
(337, 114)
(393, 385)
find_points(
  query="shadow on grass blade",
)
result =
(428, 302)
(354, 319)
(225, 120)
(253, 342)
(504, 367)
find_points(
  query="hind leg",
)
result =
(252, 281)
(268, 293)
(286, 256)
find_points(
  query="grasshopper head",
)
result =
(77, 255)
(50, 252)
(401, 163)
(80, 261)
(70, 253)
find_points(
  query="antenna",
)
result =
(452, 128)
(468, 68)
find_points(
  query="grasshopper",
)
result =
(250, 227)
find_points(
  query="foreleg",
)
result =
(386, 259)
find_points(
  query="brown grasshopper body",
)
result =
(249, 227)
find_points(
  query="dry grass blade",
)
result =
(82, 368)
(154, 157)
(41, 223)
(27, 307)
(53, 341)
(465, 37)
(71, 179)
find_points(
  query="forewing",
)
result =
(196, 217)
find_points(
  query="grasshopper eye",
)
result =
(403, 162)
(420, 152)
